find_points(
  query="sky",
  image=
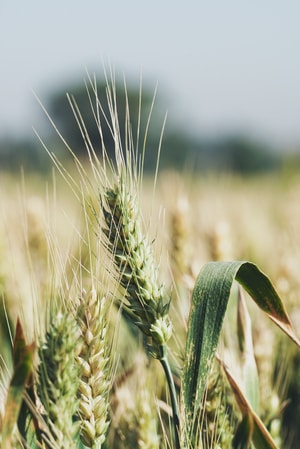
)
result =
(222, 66)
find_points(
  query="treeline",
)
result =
(179, 150)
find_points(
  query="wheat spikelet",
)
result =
(94, 363)
(133, 259)
(58, 380)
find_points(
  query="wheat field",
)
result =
(99, 267)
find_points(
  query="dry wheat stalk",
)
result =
(220, 242)
(180, 229)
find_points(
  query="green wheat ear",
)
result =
(133, 259)
(58, 379)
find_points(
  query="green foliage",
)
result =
(209, 303)
(24, 152)
(241, 155)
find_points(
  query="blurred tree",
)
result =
(26, 153)
(238, 154)
(180, 150)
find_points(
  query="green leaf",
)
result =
(23, 361)
(261, 289)
(209, 302)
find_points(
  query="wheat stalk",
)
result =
(180, 230)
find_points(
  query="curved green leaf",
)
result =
(209, 303)
(261, 289)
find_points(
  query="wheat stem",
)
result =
(168, 373)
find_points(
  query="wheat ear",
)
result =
(58, 380)
(94, 363)
(133, 258)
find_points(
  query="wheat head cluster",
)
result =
(98, 267)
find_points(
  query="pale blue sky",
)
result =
(222, 65)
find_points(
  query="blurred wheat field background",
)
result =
(56, 278)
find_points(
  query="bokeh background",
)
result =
(228, 74)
